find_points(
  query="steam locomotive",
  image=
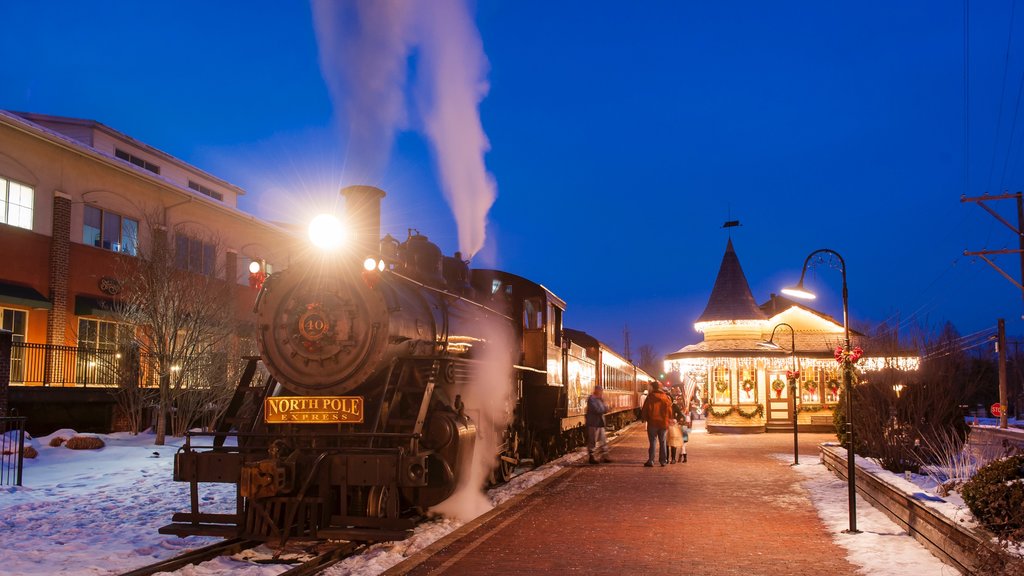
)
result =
(386, 377)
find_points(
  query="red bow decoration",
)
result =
(852, 356)
(792, 375)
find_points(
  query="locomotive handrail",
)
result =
(528, 369)
(447, 293)
(309, 435)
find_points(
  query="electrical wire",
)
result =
(1002, 91)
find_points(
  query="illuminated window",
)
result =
(16, 201)
(110, 231)
(98, 359)
(722, 387)
(16, 321)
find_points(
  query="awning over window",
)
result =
(23, 296)
(91, 306)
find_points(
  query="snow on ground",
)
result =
(96, 512)
(881, 547)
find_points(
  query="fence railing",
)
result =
(12, 447)
(52, 365)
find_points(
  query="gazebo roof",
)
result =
(731, 298)
(808, 345)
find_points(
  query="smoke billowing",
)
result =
(365, 51)
(489, 402)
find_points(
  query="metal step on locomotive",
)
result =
(386, 370)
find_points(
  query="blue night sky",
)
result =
(622, 135)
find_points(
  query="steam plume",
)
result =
(365, 46)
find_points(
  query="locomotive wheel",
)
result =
(508, 459)
(377, 502)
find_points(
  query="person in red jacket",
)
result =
(657, 412)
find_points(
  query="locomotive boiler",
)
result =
(389, 370)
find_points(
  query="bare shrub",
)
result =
(84, 443)
(56, 441)
(949, 460)
(29, 452)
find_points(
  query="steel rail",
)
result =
(232, 546)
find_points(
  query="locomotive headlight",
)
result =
(326, 232)
(372, 264)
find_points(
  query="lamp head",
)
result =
(798, 291)
(768, 345)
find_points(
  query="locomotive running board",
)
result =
(363, 534)
(182, 530)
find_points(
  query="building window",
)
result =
(99, 351)
(128, 157)
(17, 322)
(194, 255)
(16, 204)
(204, 190)
(110, 231)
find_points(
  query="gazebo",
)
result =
(743, 378)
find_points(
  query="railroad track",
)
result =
(332, 555)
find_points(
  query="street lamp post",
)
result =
(791, 377)
(799, 292)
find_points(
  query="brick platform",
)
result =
(733, 509)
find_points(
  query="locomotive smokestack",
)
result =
(362, 203)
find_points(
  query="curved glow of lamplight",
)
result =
(370, 264)
(326, 232)
(799, 292)
(254, 267)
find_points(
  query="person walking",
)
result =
(657, 412)
(597, 439)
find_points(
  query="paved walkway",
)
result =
(733, 509)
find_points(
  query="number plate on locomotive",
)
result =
(313, 410)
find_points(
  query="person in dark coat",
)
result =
(597, 439)
(657, 412)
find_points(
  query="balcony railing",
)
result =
(52, 365)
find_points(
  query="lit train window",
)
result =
(495, 286)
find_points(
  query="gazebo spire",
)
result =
(730, 299)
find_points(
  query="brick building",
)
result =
(75, 197)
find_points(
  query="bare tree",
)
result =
(184, 316)
(649, 361)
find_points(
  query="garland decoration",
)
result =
(721, 414)
(721, 386)
(759, 411)
(756, 412)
